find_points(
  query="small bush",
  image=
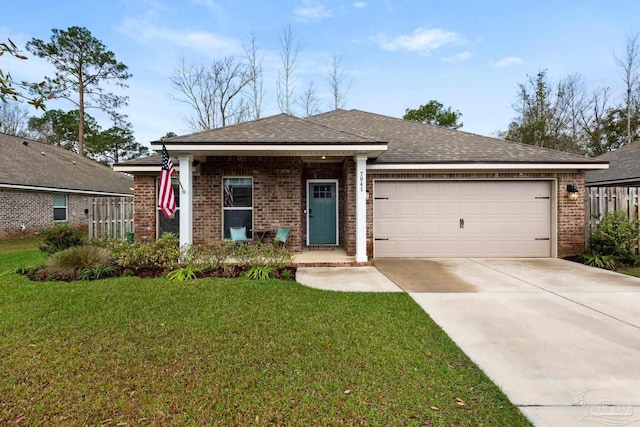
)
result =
(183, 274)
(259, 272)
(607, 262)
(256, 253)
(213, 255)
(59, 237)
(615, 235)
(69, 263)
(163, 253)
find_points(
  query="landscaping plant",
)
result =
(59, 237)
(615, 235)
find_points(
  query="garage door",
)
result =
(462, 219)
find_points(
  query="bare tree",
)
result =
(339, 82)
(310, 101)
(285, 87)
(230, 78)
(196, 90)
(214, 93)
(630, 64)
(593, 120)
(254, 70)
(14, 119)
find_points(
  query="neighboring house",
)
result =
(374, 185)
(624, 168)
(41, 184)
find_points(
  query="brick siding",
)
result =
(34, 209)
(280, 199)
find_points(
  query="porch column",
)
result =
(361, 207)
(186, 199)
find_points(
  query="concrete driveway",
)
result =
(561, 339)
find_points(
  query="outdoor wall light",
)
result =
(572, 192)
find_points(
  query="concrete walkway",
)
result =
(561, 339)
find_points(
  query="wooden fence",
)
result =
(602, 200)
(111, 217)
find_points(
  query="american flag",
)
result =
(166, 199)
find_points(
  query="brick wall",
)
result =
(144, 208)
(34, 209)
(280, 198)
(276, 197)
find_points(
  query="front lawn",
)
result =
(230, 352)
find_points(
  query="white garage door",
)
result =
(462, 219)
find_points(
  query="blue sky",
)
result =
(398, 54)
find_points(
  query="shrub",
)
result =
(259, 272)
(256, 253)
(607, 262)
(183, 274)
(69, 263)
(615, 235)
(211, 255)
(163, 253)
(59, 237)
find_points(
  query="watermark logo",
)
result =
(604, 410)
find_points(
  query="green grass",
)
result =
(232, 352)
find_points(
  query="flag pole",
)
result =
(179, 183)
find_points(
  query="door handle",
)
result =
(461, 222)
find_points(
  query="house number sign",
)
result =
(361, 181)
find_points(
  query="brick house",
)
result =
(41, 184)
(374, 185)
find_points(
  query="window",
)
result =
(166, 224)
(237, 204)
(59, 207)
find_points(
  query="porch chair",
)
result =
(281, 236)
(239, 234)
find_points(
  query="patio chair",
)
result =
(281, 236)
(239, 234)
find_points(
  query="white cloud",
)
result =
(462, 56)
(508, 61)
(360, 4)
(204, 42)
(312, 11)
(421, 39)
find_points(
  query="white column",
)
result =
(186, 199)
(361, 207)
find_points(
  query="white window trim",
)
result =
(66, 207)
(235, 208)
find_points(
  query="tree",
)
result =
(434, 113)
(214, 93)
(309, 100)
(630, 65)
(254, 70)
(60, 128)
(14, 119)
(338, 82)
(285, 87)
(114, 145)
(12, 90)
(548, 114)
(83, 66)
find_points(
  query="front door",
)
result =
(322, 213)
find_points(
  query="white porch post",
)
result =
(361, 207)
(186, 199)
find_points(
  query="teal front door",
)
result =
(322, 213)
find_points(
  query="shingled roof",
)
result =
(413, 142)
(278, 129)
(34, 165)
(624, 167)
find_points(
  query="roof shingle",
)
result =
(35, 164)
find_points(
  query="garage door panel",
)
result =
(501, 218)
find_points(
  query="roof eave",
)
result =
(480, 166)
